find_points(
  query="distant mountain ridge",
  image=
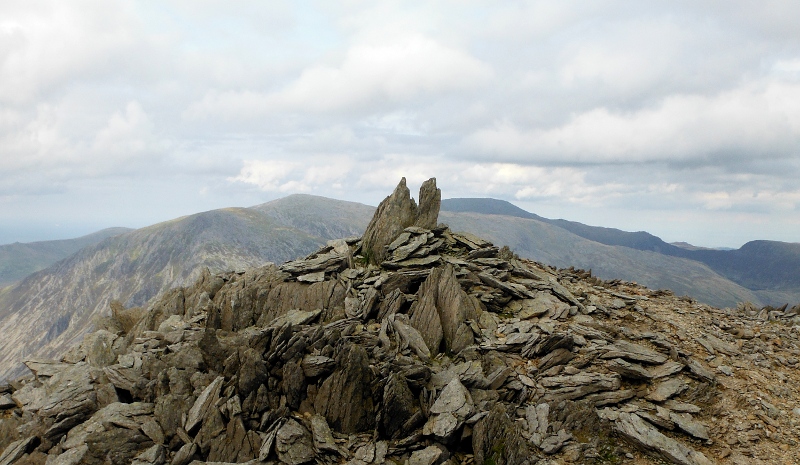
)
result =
(771, 269)
(18, 260)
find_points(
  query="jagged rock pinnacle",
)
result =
(399, 211)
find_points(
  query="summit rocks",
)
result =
(446, 351)
(399, 211)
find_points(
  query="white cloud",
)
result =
(126, 133)
(45, 43)
(374, 75)
(751, 121)
(279, 175)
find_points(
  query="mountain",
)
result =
(50, 310)
(554, 246)
(319, 216)
(768, 269)
(451, 350)
(18, 260)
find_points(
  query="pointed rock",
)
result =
(397, 212)
(345, 398)
(442, 311)
(204, 402)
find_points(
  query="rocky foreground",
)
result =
(416, 345)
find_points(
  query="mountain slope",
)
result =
(319, 216)
(548, 244)
(770, 269)
(18, 260)
(52, 309)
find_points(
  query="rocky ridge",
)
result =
(449, 350)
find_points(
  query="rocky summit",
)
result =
(427, 347)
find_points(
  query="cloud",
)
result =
(755, 121)
(43, 44)
(279, 175)
(369, 76)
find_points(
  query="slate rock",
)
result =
(17, 449)
(442, 310)
(205, 401)
(647, 437)
(426, 456)
(345, 398)
(513, 450)
(399, 408)
(294, 444)
(397, 212)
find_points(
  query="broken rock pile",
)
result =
(449, 350)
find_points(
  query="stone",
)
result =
(345, 398)
(397, 212)
(294, 444)
(666, 389)
(455, 399)
(184, 455)
(634, 353)
(426, 456)
(629, 370)
(99, 348)
(667, 369)
(400, 411)
(204, 402)
(636, 430)
(538, 422)
(16, 450)
(6, 402)
(554, 443)
(69, 457)
(568, 387)
(513, 450)
(317, 365)
(686, 423)
(322, 436)
(409, 336)
(700, 371)
(155, 455)
(443, 306)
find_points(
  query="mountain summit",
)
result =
(447, 350)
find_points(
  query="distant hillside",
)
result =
(487, 206)
(552, 245)
(18, 260)
(770, 269)
(319, 216)
(52, 309)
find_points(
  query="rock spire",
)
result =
(397, 212)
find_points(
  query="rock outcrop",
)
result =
(397, 212)
(448, 350)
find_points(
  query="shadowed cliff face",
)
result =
(450, 350)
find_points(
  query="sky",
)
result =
(680, 118)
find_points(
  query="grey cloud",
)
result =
(560, 106)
